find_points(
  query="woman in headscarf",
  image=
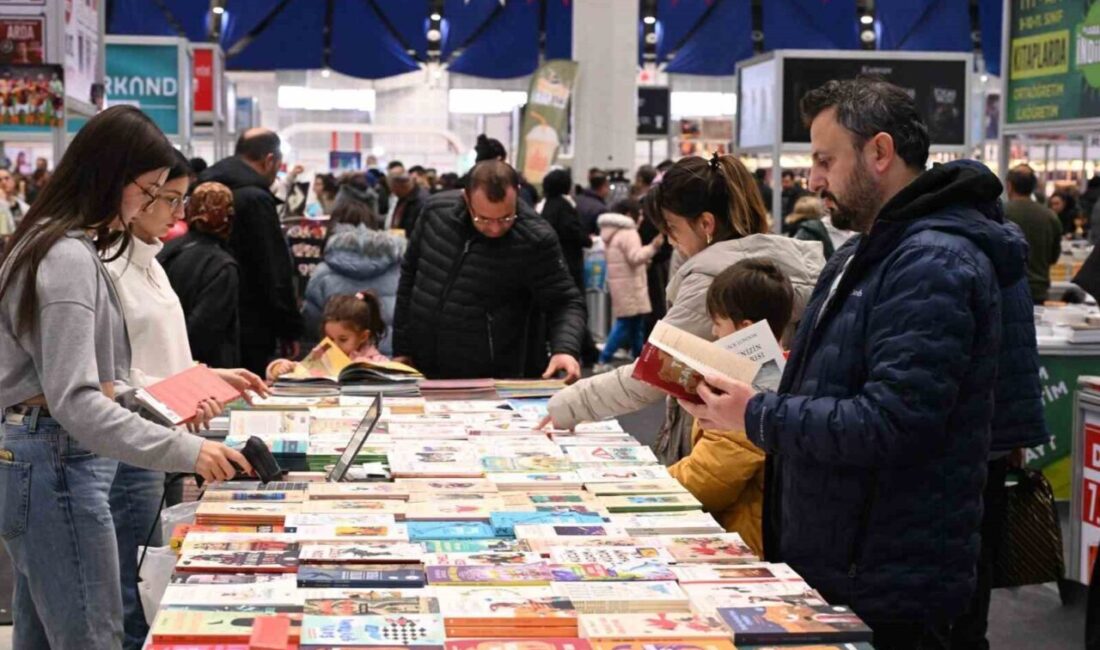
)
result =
(205, 277)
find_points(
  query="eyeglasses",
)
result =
(503, 221)
(149, 193)
(176, 202)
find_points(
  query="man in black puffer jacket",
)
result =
(482, 280)
(915, 357)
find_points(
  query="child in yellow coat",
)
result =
(724, 470)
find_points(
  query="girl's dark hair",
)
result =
(630, 207)
(722, 186)
(362, 310)
(354, 213)
(489, 149)
(328, 184)
(557, 183)
(107, 154)
(754, 289)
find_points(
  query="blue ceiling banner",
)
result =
(363, 46)
(991, 17)
(408, 18)
(723, 39)
(463, 19)
(810, 24)
(508, 46)
(559, 29)
(292, 39)
(145, 18)
(676, 19)
(924, 25)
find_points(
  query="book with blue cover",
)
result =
(377, 577)
(402, 630)
(445, 530)
(504, 523)
(794, 624)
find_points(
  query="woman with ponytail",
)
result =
(714, 217)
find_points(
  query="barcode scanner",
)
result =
(259, 456)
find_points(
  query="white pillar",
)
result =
(605, 115)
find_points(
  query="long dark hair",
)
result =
(362, 310)
(107, 154)
(722, 186)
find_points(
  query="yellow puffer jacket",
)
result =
(726, 473)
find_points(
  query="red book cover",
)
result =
(270, 633)
(659, 368)
(176, 399)
(519, 644)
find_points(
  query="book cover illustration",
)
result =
(519, 644)
(668, 486)
(505, 606)
(526, 464)
(529, 574)
(709, 598)
(678, 644)
(424, 530)
(504, 523)
(718, 573)
(197, 626)
(595, 474)
(611, 455)
(371, 602)
(609, 555)
(479, 486)
(235, 561)
(268, 423)
(439, 510)
(665, 592)
(482, 559)
(651, 503)
(283, 591)
(640, 570)
(223, 578)
(359, 553)
(536, 531)
(727, 547)
(665, 625)
(475, 546)
(371, 630)
(676, 361)
(381, 576)
(788, 623)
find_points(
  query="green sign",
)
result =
(1053, 61)
(1058, 375)
(545, 118)
(147, 76)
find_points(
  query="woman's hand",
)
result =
(244, 382)
(207, 410)
(214, 462)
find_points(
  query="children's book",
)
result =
(475, 546)
(659, 626)
(359, 553)
(707, 549)
(505, 607)
(504, 523)
(360, 602)
(611, 455)
(425, 530)
(282, 561)
(488, 558)
(402, 630)
(377, 577)
(610, 555)
(523, 644)
(681, 502)
(794, 624)
(633, 570)
(514, 574)
(717, 573)
(709, 598)
(666, 486)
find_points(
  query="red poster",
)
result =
(204, 80)
(22, 40)
(1092, 447)
(1090, 503)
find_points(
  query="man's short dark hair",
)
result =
(761, 174)
(1022, 180)
(417, 169)
(787, 174)
(258, 146)
(557, 183)
(867, 106)
(395, 163)
(646, 174)
(597, 181)
(753, 289)
(493, 177)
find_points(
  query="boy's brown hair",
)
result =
(754, 289)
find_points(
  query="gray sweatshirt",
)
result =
(80, 343)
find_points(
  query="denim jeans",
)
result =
(135, 501)
(626, 331)
(56, 524)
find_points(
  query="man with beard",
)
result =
(918, 343)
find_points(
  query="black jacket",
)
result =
(269, 304)
(590, 206)
(563, 218)
(207, 280)
(471, 306)
(411, 206)
(895, 392)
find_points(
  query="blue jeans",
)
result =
(135, 501)
(626, 331)
(56, 524)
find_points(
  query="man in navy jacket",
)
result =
(918, 331)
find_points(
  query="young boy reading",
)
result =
(724, 470)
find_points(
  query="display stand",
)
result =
(1085, 502)
(305, 236)
(1060, 366)
(211, 108)
(154, 73)
(771, 85)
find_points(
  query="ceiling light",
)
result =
(649, 20)
(219, 10)
(866, 19)
(325, 72)
(436, 17)
(867, 36)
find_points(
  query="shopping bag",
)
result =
(1031, 547)
(153, 577)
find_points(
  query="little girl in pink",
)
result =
(353, 323)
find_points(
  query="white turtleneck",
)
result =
(154, 316)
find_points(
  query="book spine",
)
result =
(158, 408)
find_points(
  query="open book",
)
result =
(677, 361)
(327, 364)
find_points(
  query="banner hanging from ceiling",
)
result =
(545, 118)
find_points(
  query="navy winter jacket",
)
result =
(879, 435)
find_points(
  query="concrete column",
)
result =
(605, 116)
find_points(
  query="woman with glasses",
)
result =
(157, 331)
(64, 363)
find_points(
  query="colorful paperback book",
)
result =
(214, 541)
(547, 499)
(634, 570)
(526, 464)
(658, 626)
(425, 530)
(676, 644)
(611, 455)
(475, 546)
(663, 523)
(354, 506)
(359, 553)
(283, 591)
(709, 598)
(621, 474)
(676, 362)
(611, 596)
(519, 644)
(377, 577)
(665, 486)
(794, 623)
(487, 558)
(477, 485)
(505, 607)
(536, 481)
(197, 626)
(236, 561)
(195, 579)
(402, 630)
(439, 510)
(651, 503)
(504, 523)
(708, 549)
(515, 574)
(548, 531)
(348, 532)
(609, 555)
(717, 573)
(243, 424)
(359, 491)
(176, 400)
(362, 603)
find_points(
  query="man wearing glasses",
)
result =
(484, 289)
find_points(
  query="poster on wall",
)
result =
(654, 111)
(937, 86)
(1090, 497)
(1053, 61)
(146, 76)
(545, 118)
(756, 105)
(202, 66)
(22, 39)
(32, 96)
(345, 161)
(81, 47)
